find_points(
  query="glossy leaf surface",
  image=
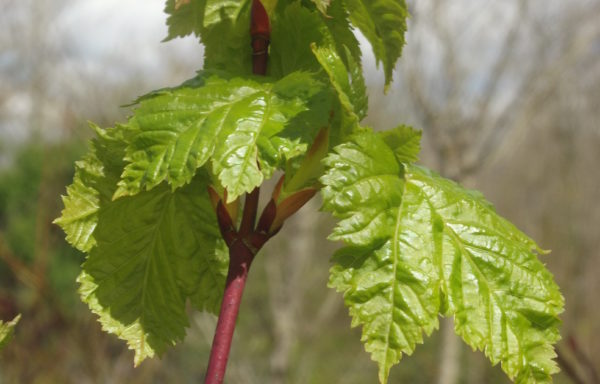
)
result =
(416, 245)
(239, 123)
(414, 236)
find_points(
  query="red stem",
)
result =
(260, 32)
(246, 241)
(249, 215)
(240, 259)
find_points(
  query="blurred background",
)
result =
(507, 94)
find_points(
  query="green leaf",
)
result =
(383, 22)
(351, 90)
(153, 251)
(342, 33)
(503, 299)
(294, 28)
(226, 38)
(387, 275)
(413, 235)
(93, 185)
(322, 5)
(239, 123)
(147, 253)
(221, 25)
(405, 142)
(7, 330)
(185, 17)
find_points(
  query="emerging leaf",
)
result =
(342, 33)
(294, 29)
(221, 25)
(412, 235)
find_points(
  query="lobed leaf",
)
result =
(414, 235)
(153, 251)
(503, 299)
(239, 123)
(405, 141)
(147, 253)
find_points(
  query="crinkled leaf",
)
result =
(383, 22)
(7, 330)
(153, 251)
(412, 234)
(147, 253)
(235, 121)
(503, 299)
(386, 274)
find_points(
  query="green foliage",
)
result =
(417, 245)
(383, 23)
(148, 253)
(239, 123)
(7, 330)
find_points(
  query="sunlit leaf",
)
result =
(236, 122)
(414, 235)
(95, 180)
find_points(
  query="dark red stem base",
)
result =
(239, 265)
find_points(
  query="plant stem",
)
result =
(246, 241)
(249, 215)
(240, 259)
